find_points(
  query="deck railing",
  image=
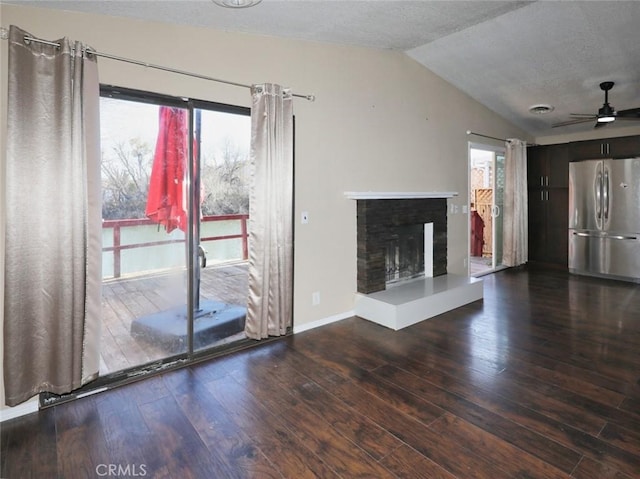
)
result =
(117, 246)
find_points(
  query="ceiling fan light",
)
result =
(236, 3)
(606, 114)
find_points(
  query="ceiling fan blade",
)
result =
(628, 118)
(573, 122)
(590, 115)
(631, 113)
(600, 124)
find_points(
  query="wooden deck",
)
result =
(125, 299)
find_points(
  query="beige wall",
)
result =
(381, 122)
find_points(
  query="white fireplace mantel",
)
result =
(397, 195)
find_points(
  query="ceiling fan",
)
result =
(606, 114)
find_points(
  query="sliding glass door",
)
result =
(175, 211)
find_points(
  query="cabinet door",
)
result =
(537, 165)
(587, 150)
(548, 225)
(558, 165)
(619, 147)
(557, 222)
(624, 146)
(537, 224)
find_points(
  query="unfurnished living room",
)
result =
(284, 239)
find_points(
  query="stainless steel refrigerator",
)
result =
(604, 218)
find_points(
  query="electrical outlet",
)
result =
(315, 298)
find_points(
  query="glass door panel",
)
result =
(222, 144)
(487, 175)
(144, 224)
(498, 198)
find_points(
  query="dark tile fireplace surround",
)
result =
(377, 221)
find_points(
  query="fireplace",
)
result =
(391, 240)
(402, 235)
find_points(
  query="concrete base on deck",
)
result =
(214, 321)
(404, 305)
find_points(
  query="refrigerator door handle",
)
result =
(604, 236)
(599, 194)
(605, 193)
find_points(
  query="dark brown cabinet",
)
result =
(548, 166)
(620, 147)
(548, 190)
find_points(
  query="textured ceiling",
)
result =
(547, 52)
(508, 55)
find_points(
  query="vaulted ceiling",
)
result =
(508, 55)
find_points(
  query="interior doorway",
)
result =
(486, 201)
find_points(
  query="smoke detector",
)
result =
(541, 109)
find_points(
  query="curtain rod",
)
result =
(4, 34)
(469, 132)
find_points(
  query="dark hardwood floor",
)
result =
(541, 379)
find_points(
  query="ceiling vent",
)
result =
(236, 3)
(540, 109)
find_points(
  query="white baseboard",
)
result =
(19, 410)
(322, 322)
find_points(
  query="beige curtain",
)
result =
(515, 235)
(269, 308)
(53, 213)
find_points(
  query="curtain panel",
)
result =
(515, 235)
(269, 306)
(53, 219)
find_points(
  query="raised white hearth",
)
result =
(414, 301)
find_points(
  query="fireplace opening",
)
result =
(400, 240)
(404, 254)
